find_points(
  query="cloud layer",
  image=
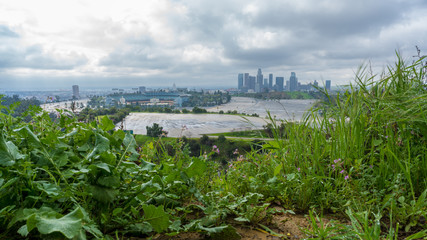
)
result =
(202, 43)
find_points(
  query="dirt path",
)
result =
(282, 226)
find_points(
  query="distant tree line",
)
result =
(20, 105)
(203, 99)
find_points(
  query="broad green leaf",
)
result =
(117, 211)
(8, 152)
(156, 216)
(70, 134)
(197, 167)
(212, 230)
(106, 123)
(29, 136)
(60, 157)
(69, 225)
(102, 165)
(130, 143)
(144, 227)
(109, 181)
(101, 144)
(103, 194)
(23, 231)
(49, 189)
(176, 226)
(146, 165)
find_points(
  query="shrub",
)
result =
(156, 131)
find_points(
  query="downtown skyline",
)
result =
(50, 44)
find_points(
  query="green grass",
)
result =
(244, 134)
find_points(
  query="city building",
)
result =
(142, 89)
(246, 82)
(76, 94)
(279, 83)
(240, 81)
(293, 82)
(252, 83)
(149, 99)
(259, 83)
(328, 85)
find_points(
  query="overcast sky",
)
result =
(55, 44)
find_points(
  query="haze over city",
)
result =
(56, 44)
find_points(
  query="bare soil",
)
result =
(282, 226)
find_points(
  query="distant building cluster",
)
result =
(143, 97)
(248, 83)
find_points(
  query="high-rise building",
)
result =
(265, 83)
(142, 89)
(293, 82)
(270, 81)
(76, 94)
(246, 81)
(240, 81)
(279, 83)
(328, 85)
(259, 78)
(252, 82)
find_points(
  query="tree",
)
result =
(156, 131)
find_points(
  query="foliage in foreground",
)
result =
(365, 159)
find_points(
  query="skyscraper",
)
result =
(279, 83)
(76, 94)
(259, 78)
(270, 81)
(240, 81)
(293, 82)
(328, 85)
(252, 84)
(246, 81)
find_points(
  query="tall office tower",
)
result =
(270, 81)
(279, 83)
(246, 81)
(328, 85)
(259, 78)
(76, 94)
(240, 81)
(287, 86)
(265, 83)
(293, 82)
(252, 80)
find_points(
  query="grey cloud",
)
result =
(34, 57)
(135, 58)
(5, 32)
